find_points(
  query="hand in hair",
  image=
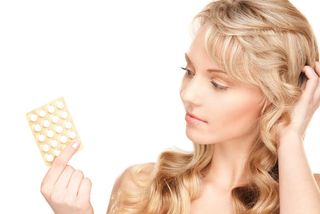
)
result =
(305, 107)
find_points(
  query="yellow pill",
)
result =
(59, 129)
(64, 115)
(37, 128)
(46, 123)
(54, 143)
(49, 157)
(51, 109)
(42, 113)
(45, 147)
(50, 133)
(33, 118)
(63, 139)
(72, 135)
(56, 152)
(55, 119)
(41, 138)
(60, 105)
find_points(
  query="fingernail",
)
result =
(75, 145)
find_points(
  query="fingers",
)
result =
(62, 160)
(59, 189)
(312, 78)
(84, 190)
(74, 184)
(318, 68)
(311, 85)
(317, 93)
(66, 189)
(65, 176)
(58, 165)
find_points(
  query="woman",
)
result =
(250, 89)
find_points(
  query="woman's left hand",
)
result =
(305, 107)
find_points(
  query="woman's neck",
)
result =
(229, 160)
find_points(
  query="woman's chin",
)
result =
(198, 138)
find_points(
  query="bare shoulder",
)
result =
(126, 181)
(317, 178)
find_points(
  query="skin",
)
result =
(231, 114)
(66, 189)
(231, 117)
(299, 189)
(231, 124)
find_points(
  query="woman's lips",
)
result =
(190, 118)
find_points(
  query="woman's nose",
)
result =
(192, 91)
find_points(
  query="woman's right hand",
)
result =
(67, 190)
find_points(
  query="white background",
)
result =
(116, 63)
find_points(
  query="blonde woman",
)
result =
(250, 88)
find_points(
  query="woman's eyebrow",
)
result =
(208, 70)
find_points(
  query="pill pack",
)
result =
(53, 129)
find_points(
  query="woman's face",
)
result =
(229, 108)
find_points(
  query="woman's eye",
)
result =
(188, 72)
(217, 86)
(214, 84)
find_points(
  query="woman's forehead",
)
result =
(211, 50)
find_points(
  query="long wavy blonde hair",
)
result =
(265, 43)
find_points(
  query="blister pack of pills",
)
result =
(53, 129)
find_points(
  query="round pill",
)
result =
(54, 143)
(49, 157)
(64, 115)
(45, 147)
(42, 113)
(51, 109)
(59, 129)
(55, 119)
(37, 128)
(60, 105)
(68, 125)
(33, 117)
(50, 133)
(63, 139)
(41, 138)
(46, 123)
(72, 134)
(56, 152)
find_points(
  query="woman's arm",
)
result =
(299, 192)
